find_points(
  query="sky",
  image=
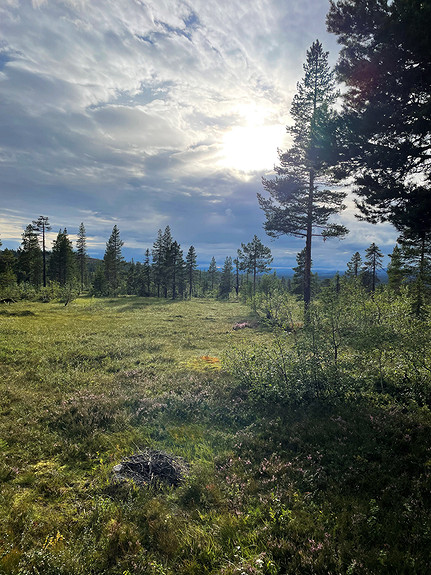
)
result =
(148, 113)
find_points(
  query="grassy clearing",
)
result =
(323, 488)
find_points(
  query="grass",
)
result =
(322, 488)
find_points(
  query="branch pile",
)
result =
(152, 467)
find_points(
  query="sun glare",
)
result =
(252, 148)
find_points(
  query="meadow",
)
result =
(277, 483)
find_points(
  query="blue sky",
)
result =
(152, 113)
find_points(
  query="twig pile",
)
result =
(152, 467)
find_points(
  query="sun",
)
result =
(252, 148)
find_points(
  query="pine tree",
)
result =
(113, 262)
(81, 251)
(395, 270)
(191, 267)
(212, 271)
(373, 263)
(298, 279)
(226, 278)
(30, 259)
(7, 268)
(146, 273)
(256, 258)
(42, 225)
(354, 266)
(298, 205)
(158, 257)
(62, 261)
(384, 131)
(167, 262)
(99, 287)
(176, 269)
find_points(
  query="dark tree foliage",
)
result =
(298, 205)
(191, 267)
(158, 257)
(146, 273)
(7, 268)
(62, 267)
(176, 267)
(113, 261)
(385, 129)
(395, 270)
(354, 266)
(226, 279)
(42, 225)
(212, 271)
(254, 258)
(30, 259)
(81, 254)
(373, 263)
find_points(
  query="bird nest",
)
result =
(151, 467)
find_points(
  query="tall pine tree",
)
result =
(298, 205)
(113, 262)
(81, 254)
(191, 267)
(62, 261)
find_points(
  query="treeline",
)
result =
(64, 271)
(34, 271)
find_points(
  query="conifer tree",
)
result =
(226, 278)
(354, 266)
(255, 257)
(7, 268)
(212, 271)
(395, 270)
(158, 257)
(30, 259)
(167, 260)
(42, 225)
(373, 263)
(177, 269)
(146, 273)
(297, 284)
(113, 261)
(191, 267)
(385, 128)
(81, 251)
(62, 261)
(298, 205)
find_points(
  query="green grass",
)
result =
(322, 488)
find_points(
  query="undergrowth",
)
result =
(318, 484)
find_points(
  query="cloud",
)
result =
(121, 112)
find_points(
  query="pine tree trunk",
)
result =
(307, 264)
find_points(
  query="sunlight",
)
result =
(252, 148)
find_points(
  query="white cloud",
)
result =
(118, 112)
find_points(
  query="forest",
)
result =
(157, 418)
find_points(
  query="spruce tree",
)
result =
(158, 257)
(146, 273)
(226, 278)
(395, 270)
(42, 225)
(256, 258)
(354, 266)
(62, 261)
(191, 267)
(212, 271)
(298, 205)
(113, 261)
(30, 259)
(373, 263)
(81, 254)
